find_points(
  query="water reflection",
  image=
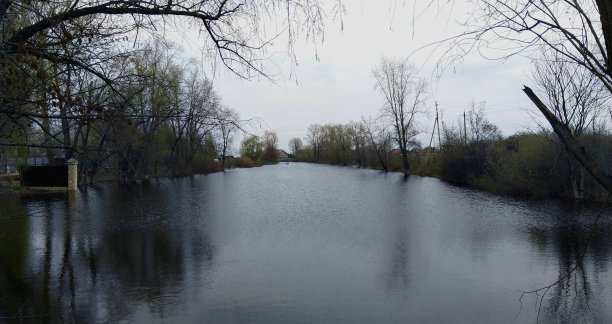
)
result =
(58, 263)
(581, 252)
(398, 277)
(297, 243)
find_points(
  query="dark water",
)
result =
(299, 243)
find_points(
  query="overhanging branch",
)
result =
(572, 145)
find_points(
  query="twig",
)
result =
(545, 289)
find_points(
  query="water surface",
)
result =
(300, 243)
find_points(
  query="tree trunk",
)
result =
(574, 180)
(605, 13)
(571, 144)
(405, 162)
(223, 156)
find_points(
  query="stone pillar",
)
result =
(72, 174)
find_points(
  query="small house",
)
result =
(282, 155)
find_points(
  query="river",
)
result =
(295, 243)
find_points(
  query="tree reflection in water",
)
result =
(58, 263)
(398, 277)
(580, 245)
(177, 250)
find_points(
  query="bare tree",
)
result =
(404, 93)
(270, 140)
(576, 97)
(228, 121)
(314, 135)
(573, 94)
(579, 32)
(480, 128)
(378, 138)
(43, 25)
(360, 143)
(45, 45)
(295, 144)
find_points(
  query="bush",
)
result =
(527, 164)
(426, 163)
(241, 162)
(464, 164)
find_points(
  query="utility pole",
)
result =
(433, 131)
(438, 124)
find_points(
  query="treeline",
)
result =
(474, 154)
(160, 116)
(256, 150)
(355, 143)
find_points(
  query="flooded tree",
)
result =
(378, 139)
(228, 121)
(404, 93)
(577, 98)
(295, 145)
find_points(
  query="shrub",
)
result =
(241, 162)
(527, 164)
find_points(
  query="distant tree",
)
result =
(379, 140)
(252, 148)
(227, 125)
(271, 146)
(340, 139)
(404, 93)
(313, 137)
(295, 145)
(359, 143)
(480, 129)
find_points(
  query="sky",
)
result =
(333, 83)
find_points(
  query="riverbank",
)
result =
(526, 166)
(11, 182)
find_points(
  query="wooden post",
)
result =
(72, 174)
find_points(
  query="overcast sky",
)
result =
(339, 86)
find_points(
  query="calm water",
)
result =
(299, 243)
